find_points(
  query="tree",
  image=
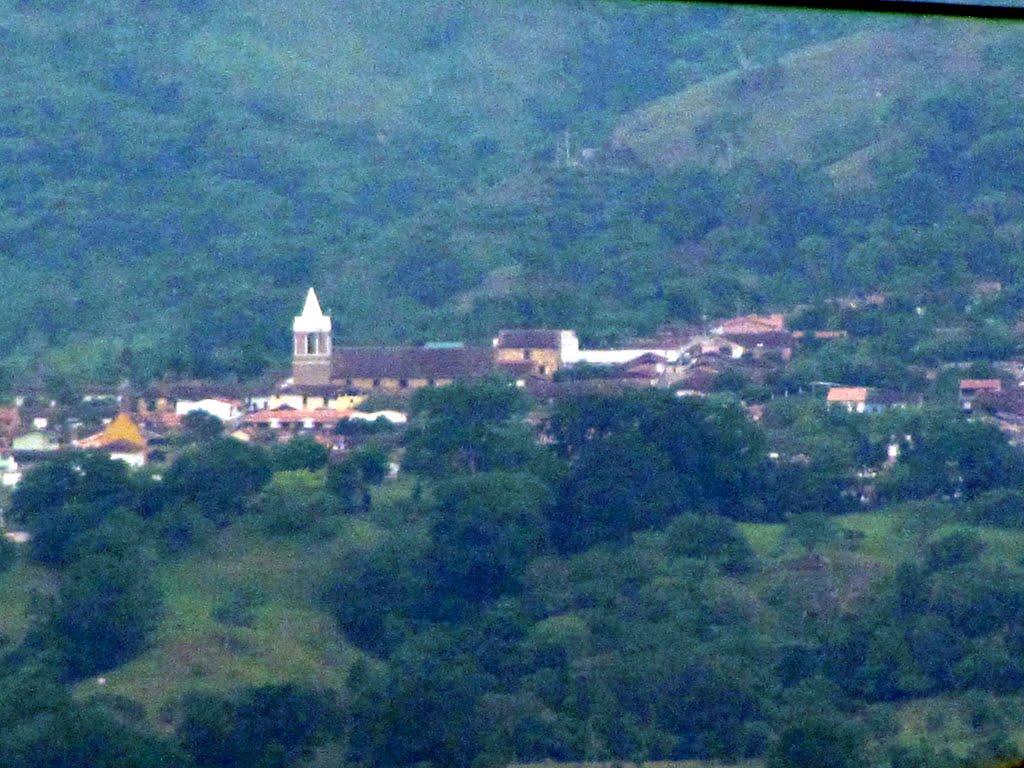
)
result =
(44, 727)
(380, 595)
(709, 536)
(955, 548)
(271, 726)
(60, 537)
(46, 487)
(350, 479)
(616, 486)
(301, 452)
(816, 741)
(468, 427)
(811, 530)
(106, 610)
(718, 455)
(293, 501)
(936, 648)
(201, 426)
(434, 680)
(1003, 507)
(951, 455)
(487, 528)
(218, 477)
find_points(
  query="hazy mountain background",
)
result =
(173, 174)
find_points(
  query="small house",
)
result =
(970, 389)
(535, 351)
(121, 439)
(865, 399)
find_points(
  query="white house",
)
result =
(225, 410)
(10, 474)
(395, 417)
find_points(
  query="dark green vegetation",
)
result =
(648, 586)
(174, 174)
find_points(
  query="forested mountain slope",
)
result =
(173, 174)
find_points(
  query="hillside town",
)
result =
(336, 394)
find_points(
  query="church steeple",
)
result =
(312, 319)
(311, 353)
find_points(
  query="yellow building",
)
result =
(312, 398)
(534, 351)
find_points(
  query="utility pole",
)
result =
(568, 152)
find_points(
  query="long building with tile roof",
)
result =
(317, 365)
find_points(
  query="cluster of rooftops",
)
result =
(523, 353)
(329, 385)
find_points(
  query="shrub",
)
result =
(1002, 507)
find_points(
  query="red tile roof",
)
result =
(754, 324)
(286, 415)
(411, 363)
(848, 395)
(981, 385)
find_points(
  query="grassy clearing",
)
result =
(887, 537)
(244, 612)
(19, 587)
(959, 723)
(843, 88)
(764, 538)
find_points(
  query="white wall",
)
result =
(222, 409)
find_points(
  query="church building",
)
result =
(324, 372)
(317, 364)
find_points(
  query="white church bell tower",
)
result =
(311, 351)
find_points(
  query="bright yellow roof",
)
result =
(120, 430)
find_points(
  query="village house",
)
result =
(970, 389)
(330, 378)
(649, 367)
(713, 346)
(222, 408)
(10, 472)
(121, 439)
(534, 351)
(763, 344)
(399, 369)
(864, 399)
(34, 442)
(10, 425)
(288, 420)
(391, 416)
(819, 335)
(310, 397)
(751, 324)
(1005, 408)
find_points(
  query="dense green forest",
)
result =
(650, 586)
(174, 173)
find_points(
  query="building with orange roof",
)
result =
(293, 418)
(865, 399)
(10, 425)
(752, 324)
(852, 398)
(971, 388)
(121, 438)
